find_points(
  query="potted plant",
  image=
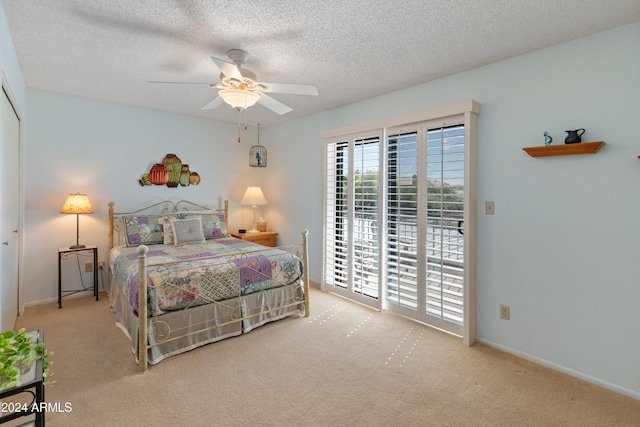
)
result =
(17, 351)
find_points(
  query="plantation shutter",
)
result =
(366, 159)
(402, 220)
(400, 216)
(424, 245)
(445, 213)
(336, 268)
(352, 223)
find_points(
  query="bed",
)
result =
(178, 280)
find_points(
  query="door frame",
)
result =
(469, 110)
(6, 89)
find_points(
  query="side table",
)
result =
(29, 379)
(265, 238)
(62, 254)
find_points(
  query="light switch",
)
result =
(489, 208)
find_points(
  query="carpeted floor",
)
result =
(345, 365)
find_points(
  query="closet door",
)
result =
(9, 212)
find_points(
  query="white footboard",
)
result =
(243, 311)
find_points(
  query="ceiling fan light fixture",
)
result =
(238, 98)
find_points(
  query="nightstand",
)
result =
(266, 238)
(63, 253)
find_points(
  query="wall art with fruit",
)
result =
(171, 172)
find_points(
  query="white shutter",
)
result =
(394, 216)
(445, 212)
(336, 225)
(424, 269)
(352, 218)
(402, 220)
(366, 259)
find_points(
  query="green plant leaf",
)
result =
(18, 349)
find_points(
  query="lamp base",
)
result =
(254, 231)
(77, 246)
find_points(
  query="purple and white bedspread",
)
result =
(183, 276)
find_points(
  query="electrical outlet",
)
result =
(489, 208)
(88, 267)
(505, 312)
(101, 265)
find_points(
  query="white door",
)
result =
(352, 218)
(394, 221)
(425, 224)
(9, 212)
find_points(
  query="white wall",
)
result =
(101, 149)
(9, 65)
(562, 247)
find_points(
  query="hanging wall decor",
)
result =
(171, 172)
(258, 154)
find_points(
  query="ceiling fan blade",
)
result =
(180, 83)
(229, 69)
(215, 103)
(294, 89)
(273, 105)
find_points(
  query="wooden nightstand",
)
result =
(266, 238)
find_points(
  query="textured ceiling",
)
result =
(350, 49)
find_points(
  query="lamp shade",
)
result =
(254, 197)
(238, 98)
(77, 204)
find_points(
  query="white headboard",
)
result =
(159, 208)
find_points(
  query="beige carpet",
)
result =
(344, 366)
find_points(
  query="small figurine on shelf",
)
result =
(547, 139)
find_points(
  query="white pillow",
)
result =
(187, 230)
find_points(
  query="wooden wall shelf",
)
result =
(565, 150)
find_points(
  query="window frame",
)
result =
(465, 113)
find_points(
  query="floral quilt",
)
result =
(182, 276)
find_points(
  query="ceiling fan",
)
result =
(241, 89)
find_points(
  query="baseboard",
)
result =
(55, 299)
(565, 370)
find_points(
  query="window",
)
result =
(402, 220)
(399, 218)
(366, 157)
(336, 226)
(352, 217)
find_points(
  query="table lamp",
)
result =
(253, 196)
(77, 204)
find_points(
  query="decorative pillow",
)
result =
(143, 230)
(168, 229)
(214, 224)
(187, 230)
